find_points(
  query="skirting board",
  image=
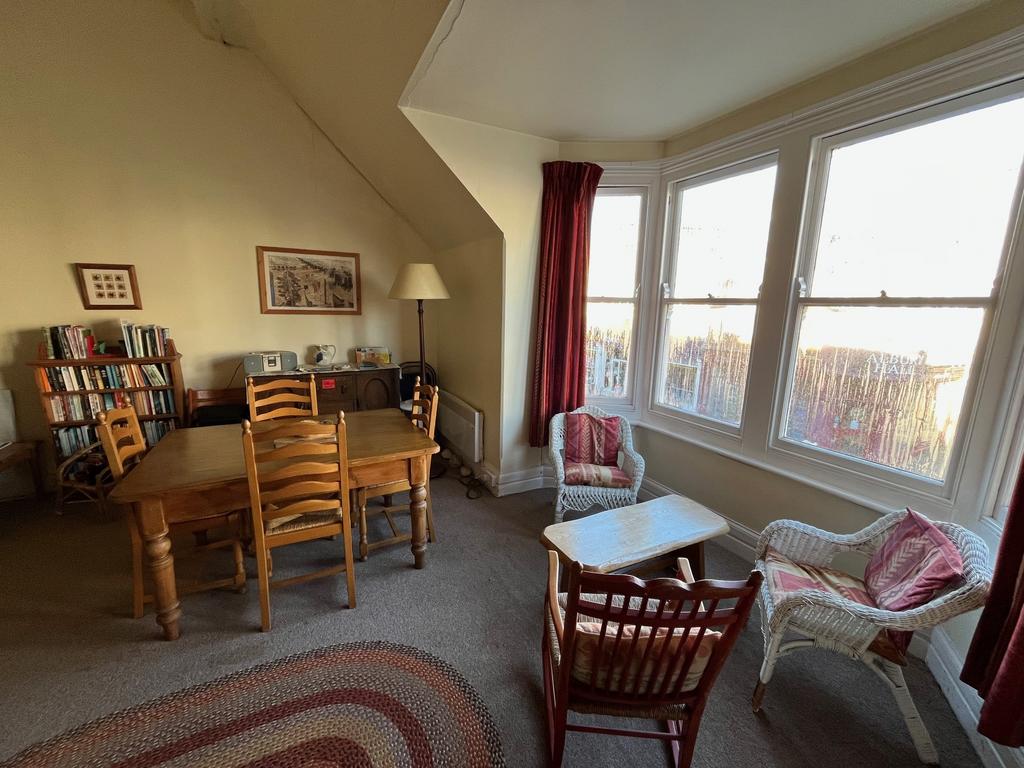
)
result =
(945, 665)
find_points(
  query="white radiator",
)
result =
(462, 427)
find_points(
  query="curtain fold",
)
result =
(559, 375)
(995, 661)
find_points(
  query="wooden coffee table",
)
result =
(641, 537)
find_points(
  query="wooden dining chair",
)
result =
(424, 416)
(124, 446)
(281, 398)
(617, 646)
(298, 491)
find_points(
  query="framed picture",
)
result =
(108, 286)
(295, 281)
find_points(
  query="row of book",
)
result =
(68, 440)
(81, 407)
(144, 340)
(68, 342)
(71, 378)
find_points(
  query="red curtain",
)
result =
(559, 376)
(995, 662)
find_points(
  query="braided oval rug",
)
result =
(353, 705)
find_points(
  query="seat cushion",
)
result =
(786, 577)
(626, 662)
(596, 475)
(591, 439)
(915, 562)
(631, 664)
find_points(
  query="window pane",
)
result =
(704, 365)
(924, 211)
(883, 384)
(609, 332)
(614, 242)
(723, 236)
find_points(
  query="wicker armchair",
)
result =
(582, 497)
(826, 620)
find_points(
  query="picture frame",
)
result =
(108, 286)
(300, 281)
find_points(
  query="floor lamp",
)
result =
(419, 281)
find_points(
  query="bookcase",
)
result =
(73, 391)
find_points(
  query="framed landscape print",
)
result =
(295, 281)
(108, 286)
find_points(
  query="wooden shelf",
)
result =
(104, 391)
(91, 422)
(78, 362)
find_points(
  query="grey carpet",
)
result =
(70, 653)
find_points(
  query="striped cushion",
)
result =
(591, 440)
(596, 475)
(786, 577)
(631, 665)
(916, 562)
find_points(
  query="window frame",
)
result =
(624, 184)
(668, 262)
(821, 147)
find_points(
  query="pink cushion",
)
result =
(591, 440)
(596, 475)
(914, 563)
(786, 577)
(631, 665)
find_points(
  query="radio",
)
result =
(270, 362)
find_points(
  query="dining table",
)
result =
(200, 472)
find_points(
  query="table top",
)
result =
(206, 457)
(618, 538)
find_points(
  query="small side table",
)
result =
(640, 538)
(20, 453)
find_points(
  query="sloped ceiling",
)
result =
(346, 63)
(636, 71)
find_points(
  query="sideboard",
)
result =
(350, 389)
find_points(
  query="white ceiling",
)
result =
(637, 70)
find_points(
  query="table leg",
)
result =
(150, 517)
(418, 508)
(695, 554)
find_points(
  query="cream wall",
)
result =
(502, 170)
(128, 137)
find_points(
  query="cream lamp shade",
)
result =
(418, 281)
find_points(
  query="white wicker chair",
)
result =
(829, 621)
(582, 497)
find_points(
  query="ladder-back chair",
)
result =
(298, 491)
(281, 398)
(124, 446)
(424, 416)
(618, 646)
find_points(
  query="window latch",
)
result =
(801, 287)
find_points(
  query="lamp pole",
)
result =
(423, 355)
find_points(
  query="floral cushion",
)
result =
(914, 563)
(786, 577)
(591, 439)
(629, 664)
(596, 475)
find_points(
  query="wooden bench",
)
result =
(642, 537)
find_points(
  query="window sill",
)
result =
(941, 510)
